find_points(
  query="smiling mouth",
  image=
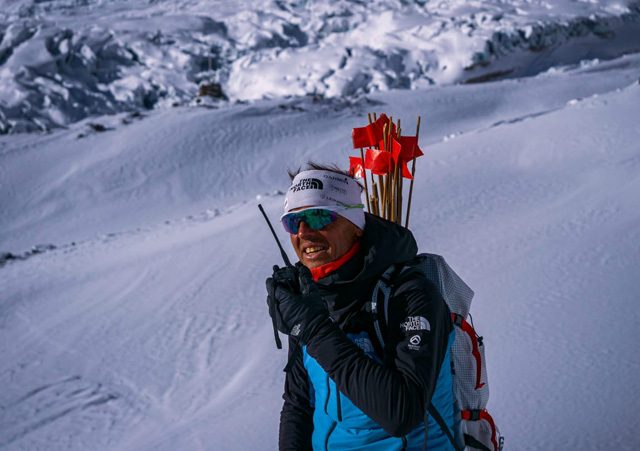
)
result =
(312, 250)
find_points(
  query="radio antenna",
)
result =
(282, 252)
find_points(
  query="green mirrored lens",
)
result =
(315, 219)
(318, 219)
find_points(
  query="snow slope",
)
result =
(179, 163)
(145, 326)
(64, 60)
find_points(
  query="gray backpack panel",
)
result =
(456, 293)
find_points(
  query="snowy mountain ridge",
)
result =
(64, 60)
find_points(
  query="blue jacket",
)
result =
(356, 430)
(345, 390)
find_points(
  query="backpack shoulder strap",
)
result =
(443, 425)
(380, 302)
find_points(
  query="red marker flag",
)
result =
(410, 148)
(356, 167)
(378, 161)
(379, 124)
(406, 173)
(372, 134)
(398, 151)
(363, 137)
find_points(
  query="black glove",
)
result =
(294, 302)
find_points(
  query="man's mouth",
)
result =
(312, 250)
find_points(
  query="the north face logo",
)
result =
(307, 184)
(415, 323)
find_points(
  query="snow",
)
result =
(132, 306)
(115, 56)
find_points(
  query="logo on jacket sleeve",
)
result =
(412, 323)
(414, 343)
(363, 342)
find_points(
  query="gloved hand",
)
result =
(294, 302)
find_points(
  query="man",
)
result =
(344, 388)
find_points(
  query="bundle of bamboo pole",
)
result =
(387, 155)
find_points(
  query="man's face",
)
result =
(317, 247)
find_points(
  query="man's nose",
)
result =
(304, 229)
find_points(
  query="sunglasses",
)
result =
(315, 219)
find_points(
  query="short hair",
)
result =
(312, 165)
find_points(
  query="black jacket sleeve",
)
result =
(392, 395)
(296, 417)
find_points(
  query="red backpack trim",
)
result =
(459, 321)
(475, 415)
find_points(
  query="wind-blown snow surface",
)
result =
(64, 60)
(145, 328)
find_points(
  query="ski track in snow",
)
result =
(151, 330)
(199, 341)
(71, 397)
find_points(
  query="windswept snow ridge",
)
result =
(64, 60)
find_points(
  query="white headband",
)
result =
(329, 190)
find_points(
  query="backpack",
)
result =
(474, 428)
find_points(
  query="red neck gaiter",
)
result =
(322, 271)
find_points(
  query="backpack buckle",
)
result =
(471, 415)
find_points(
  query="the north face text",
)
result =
(307, 184)
(415, 323)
